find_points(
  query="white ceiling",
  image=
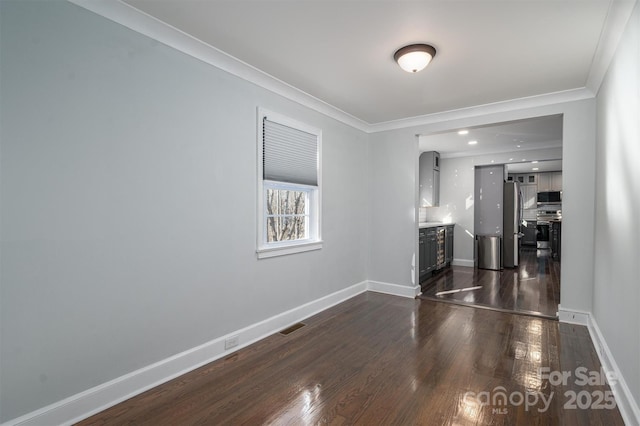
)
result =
(538, 167)
(513, 136)
(341, 51)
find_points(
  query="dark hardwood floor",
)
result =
(533, 288)
(384, 360)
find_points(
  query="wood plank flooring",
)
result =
(532, 288)
(384, 360)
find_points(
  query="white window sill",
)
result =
(265, 252)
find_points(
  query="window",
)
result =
(288, 186)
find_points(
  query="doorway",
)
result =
(533, 286)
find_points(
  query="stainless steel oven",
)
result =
(543, 226)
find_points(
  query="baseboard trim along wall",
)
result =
(82, 405)
(101, 397)
(463, 262)
(393, 289)
(624, 399)
(573, 316)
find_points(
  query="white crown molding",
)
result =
(486, 109)
(615, 23)
(138, 21)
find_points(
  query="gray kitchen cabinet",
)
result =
(432, 249)
(428, 255)
(422, 256)
(556, 238)
(429, 171)
(448, 245)
(530, 233)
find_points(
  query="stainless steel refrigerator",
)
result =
(512, 216)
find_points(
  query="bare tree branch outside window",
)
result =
(286, 215)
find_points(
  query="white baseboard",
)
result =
(573, 316)
(99, 398)
(394, 289)
(463, 262)
(624, 399)
(82, 405)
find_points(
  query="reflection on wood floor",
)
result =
(385, 360)
(532, 288)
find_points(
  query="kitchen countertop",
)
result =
(422, 225)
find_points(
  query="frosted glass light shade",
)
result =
(415, 57)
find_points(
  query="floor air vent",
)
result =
(293, 328)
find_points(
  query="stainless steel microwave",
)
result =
(549, 197)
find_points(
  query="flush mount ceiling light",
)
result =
(414, 57)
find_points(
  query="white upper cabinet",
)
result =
(544, 182)
(556, 181)
(529, 198)
(550, 181)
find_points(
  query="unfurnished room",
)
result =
(319, 212)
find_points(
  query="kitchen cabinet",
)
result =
(529, 197)
(550, 181)
(432, 250)
(436, 249)
(525, 178)
(544, 182)
(429, 171)
(428, 256)
(556, 181)
(556, 233)
(530, 233)
(448, 245)
(422, 256)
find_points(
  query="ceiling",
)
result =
(514, 136)
(341, 51)
(538, 167)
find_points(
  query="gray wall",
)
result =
(128, 211)
(617, 248)
(392, 212)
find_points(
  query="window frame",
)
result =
(314, 240)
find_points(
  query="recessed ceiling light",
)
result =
(524, 159)
(463, 132)
(517, 146)
(534, 161)
(536, 168)
(510, 159)
(472, 142)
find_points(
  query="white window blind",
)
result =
(289, 155)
